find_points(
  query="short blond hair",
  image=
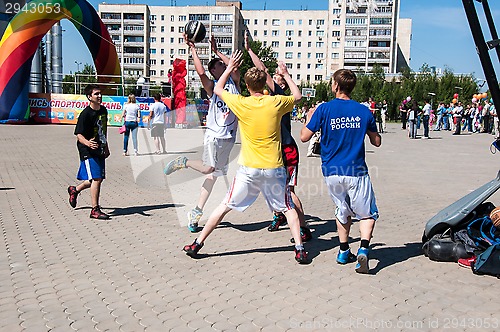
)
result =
(255, 78)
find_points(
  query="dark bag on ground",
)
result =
(483, 232)
(488, 262)
(442, 248)
(316, 148)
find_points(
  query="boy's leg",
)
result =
(366, 227)
(206, 190)
(213, 221)
(294, 224)
(163, 144)
(82, 186)
(95, 190)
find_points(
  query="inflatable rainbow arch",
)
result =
(22, 37)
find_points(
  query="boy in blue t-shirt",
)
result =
(343, 124)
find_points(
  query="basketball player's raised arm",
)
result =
(235, 75)
(258, 63)
(294, 89)
(233, 64)
(207, 83)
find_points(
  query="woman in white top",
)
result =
(131, 115)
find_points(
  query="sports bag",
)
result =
(483, 233)
(488, 262)
(442, 248)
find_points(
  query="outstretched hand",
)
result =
(246, 41)
(235, 60)
(213, 44)
(188, 42)
(282, 69)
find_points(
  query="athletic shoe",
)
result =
(73, 194)
(192, 249)
(278, 220)
(301, 256)
(466, 262)
(96, 213)
(175, 165)
(305, 234)
(194, 217)
(362, 266)
(344, 257)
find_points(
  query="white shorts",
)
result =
(249, 182)
(353, 196)
(216, 153)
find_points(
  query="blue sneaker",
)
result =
(175, 165)
(362, 266)
(345, 257)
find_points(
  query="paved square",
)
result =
(62, 271)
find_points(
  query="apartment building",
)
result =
(350, 34)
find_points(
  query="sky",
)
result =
(440, 32)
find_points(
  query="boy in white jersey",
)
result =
(261, 163)
(220, 133)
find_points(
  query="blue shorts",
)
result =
(92, 168)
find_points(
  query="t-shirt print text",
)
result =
(345, 123)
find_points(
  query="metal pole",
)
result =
(482, 50)
(491, 25)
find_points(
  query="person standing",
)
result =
(290, 151)
(157, 120)
(220, 134)
(383, 114)
(403, 111)
(344, 123)
(426, 113)
(412, 119)
(131, 117)
(261, 165)
(92, 144)
(457, 118)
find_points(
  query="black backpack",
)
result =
(488, 262)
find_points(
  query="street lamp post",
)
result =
(459, 88)
(76, 76)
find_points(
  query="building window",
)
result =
(289, 33)
(300, 33)
(289, 44)
(255, 21)
(356, 21)
(264, 43)
(162, 17)
(299, 44)
(275, 33)
(162, 51)
(336, 22)
(319, 55)
(276, 22)
(320, 44)
(162, 29)
(298, 76)
(335, 33)
(152, 50)
(289, 66)
(162, 73)
(308, 66)
(265, 21)
(320, 33)
(172, 40)
(298, 65)
(381, 20)
(275, 44)
(162, 40)
(288, 55)
(309, 44)
(152, 62)
(276, 55)
(336, 11)
(299, 55)
(318, 77)
(172, 51)
(181, 29)
(255, 33)
(308, 77)
(318, 66)
(289, 22)
(172, 29)
(152, 73)
(246, 21)
(172, 18)
(300, 22)
(162, 62)
(320, 22)
(308, 55)
(182, 51)
(335, 44)
(152, 40)
(309, 33)
(310, 22)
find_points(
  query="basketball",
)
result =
(495, 217)
(195, 31)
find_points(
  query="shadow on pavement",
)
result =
(6, 188)
(388, 256)
(139, 209)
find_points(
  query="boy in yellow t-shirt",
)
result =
(261, 165)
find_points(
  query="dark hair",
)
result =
(157, 96)
(212, 64)
(346, 80)
(89, 88)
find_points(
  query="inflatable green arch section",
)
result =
(21, 39)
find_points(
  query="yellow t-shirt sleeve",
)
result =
(287, 104)
(231, 99)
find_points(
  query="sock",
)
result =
(196, 241)
(365, 243)
(344, 246)
(299, 246)
(198, 209)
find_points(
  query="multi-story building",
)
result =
(313, 43)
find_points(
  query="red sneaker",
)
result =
(192, 249)
(73, 194)
(466, 262)
(96, 213)
(301, 256)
